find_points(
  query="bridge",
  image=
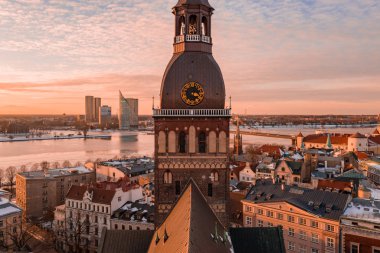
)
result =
(271, 135)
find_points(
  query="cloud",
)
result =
(314, 51)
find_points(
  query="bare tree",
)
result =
(66, 164)
(72, 230)
(78, 164)
(55, 165)
(45, 165)
(35, 167)
(10, 174)
(19, 234)
(23, 168)
(1, 176)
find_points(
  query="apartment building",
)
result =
(360, 226)
(39, 192)
(309, 217)
(10, 223)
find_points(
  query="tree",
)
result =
(35, 167)
(55, 165)
(66, 164)
(1, 176)
(19, 234)
(78, 164)
(23, 168)
(45, 165)
(10, 174)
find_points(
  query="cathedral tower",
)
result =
(192, 123)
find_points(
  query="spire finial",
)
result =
(230, 103)
(153, 102)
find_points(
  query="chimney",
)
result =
(325, 164)
(283, 186)
(342, 167)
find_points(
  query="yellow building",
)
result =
(309, 218)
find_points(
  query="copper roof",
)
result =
(100, 196)
(189, 227)
(193, 2)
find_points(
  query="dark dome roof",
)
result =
(193, 2)
(193, 67)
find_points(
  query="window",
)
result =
(116, 226)
(260, 211)
(209, 190)
(314, 238)
(177, 187)
(202, 142)
(280, 216)
(329, 228)
(96, 230)
(314, 250)
(1, 223)
(105, 221)
(14, 230)
(106, 209)
(302, 221)
(270, 214)
(354, 248)
(314, 224)
(270, 224)
(303, 235)
(303, 249)
(259, 223)
(248, 221)
(290, 218)
(118, 199)
(248, 209)
(291, 232)
(291, 246)
(182, 142)
(96, 219)
(96, 242)
(168, 177)
(375, 250)
(330, 242)
(214, 176)
(123, 227)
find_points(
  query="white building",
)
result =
(247, 174)
(87, 211)
(10, 222)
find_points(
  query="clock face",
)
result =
(192, 93)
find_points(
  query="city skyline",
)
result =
(303, 57)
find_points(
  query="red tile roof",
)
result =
(271, 149)
(361, 155)
(100, 196)
(333, 184)
(336, 139)
(375, 139)
(358, 135)
(376, 131)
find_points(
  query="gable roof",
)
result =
(100, 196)
(296, 167)
(376, 131)
(336, 139)
(374, 139)
(357, 135)
(266, 192)
(126, 241)
(260, 240)
(189, 226)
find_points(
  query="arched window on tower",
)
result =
(182, 26)
(214, 176)
(202, 142)
(193, 24)
(182, 142)
(204, 27)
(168, 177)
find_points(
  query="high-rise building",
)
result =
(89, 108)
(104, 115)
(97, 105)
(128, 112)
(192, 125)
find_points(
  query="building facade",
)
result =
(309, 218)
(10, 223)
(192, 124)
(39, 192)
(89, 108)
(104, 115)
(97, 106)
(360, 226)
(128, 112)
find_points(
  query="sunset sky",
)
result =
(277, 57)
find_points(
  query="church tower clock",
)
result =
(192, 123)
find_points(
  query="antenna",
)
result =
(153, 102)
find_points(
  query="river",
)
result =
(122, 143)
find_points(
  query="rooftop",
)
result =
(138, 211)
(363, 209)
(53, 173)
(101, 196)
(132, 166)
(7, 208)
(326, 204)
